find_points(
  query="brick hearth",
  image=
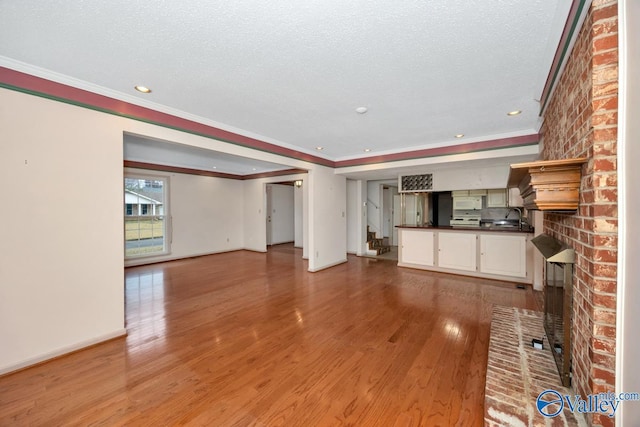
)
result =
(517, 373)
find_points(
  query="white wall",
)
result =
(305, 218)
(255, 229)
(282, 213)
(61, 249)
(387, 214)
(363, 247)
(627, 343)
(353, 232)
(470, 178)
(254, 219)
(298, 203)
(62, 259)
(374, 206)
(327, 218)
(204, 215)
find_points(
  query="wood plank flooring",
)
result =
(251, 339)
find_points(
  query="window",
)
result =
(145, 207)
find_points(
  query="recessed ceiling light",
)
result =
(514, 113)
(254, 169)
(214, 167)
(460, 135)
(319, 148)
(366, 150)
(361, 110)
(142, 89)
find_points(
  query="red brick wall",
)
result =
(581, 121)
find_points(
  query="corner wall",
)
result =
(581, 121)
(327, 218)
(61, 246)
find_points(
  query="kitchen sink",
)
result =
(502, 223)
(505, 223)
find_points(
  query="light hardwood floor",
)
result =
(245, 338)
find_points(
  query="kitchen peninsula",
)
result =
(492, 252)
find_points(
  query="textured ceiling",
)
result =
(292, 72)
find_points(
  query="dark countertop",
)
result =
(463, 228)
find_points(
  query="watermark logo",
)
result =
(551, 403)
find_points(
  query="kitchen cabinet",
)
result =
(505, 255)
(457, 251)
(497, 198)
(416, 247)
(492, 254)
(465, 193)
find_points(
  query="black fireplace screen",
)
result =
(558, 300)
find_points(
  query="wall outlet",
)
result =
(537, 344)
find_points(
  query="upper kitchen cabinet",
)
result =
(497, 198)
(551, 185)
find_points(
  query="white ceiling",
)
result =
(292, 72)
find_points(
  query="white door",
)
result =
(457, 251)
(503, 254)
(416, 247)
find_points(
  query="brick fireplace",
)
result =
(580, 120)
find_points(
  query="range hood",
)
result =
(549, 185)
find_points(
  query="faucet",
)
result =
(520, 222)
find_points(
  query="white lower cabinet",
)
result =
(416, 247)
(503, 254)
(489, 254)
(457, 251)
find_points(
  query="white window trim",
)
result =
(168, 229)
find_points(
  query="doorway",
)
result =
(281, 213)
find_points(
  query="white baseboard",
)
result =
(135, 262)
(328, 266)
(62, 351)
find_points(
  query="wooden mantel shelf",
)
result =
(549, 185)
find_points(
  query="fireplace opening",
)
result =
(558, 300)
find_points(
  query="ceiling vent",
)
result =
(416, 183)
